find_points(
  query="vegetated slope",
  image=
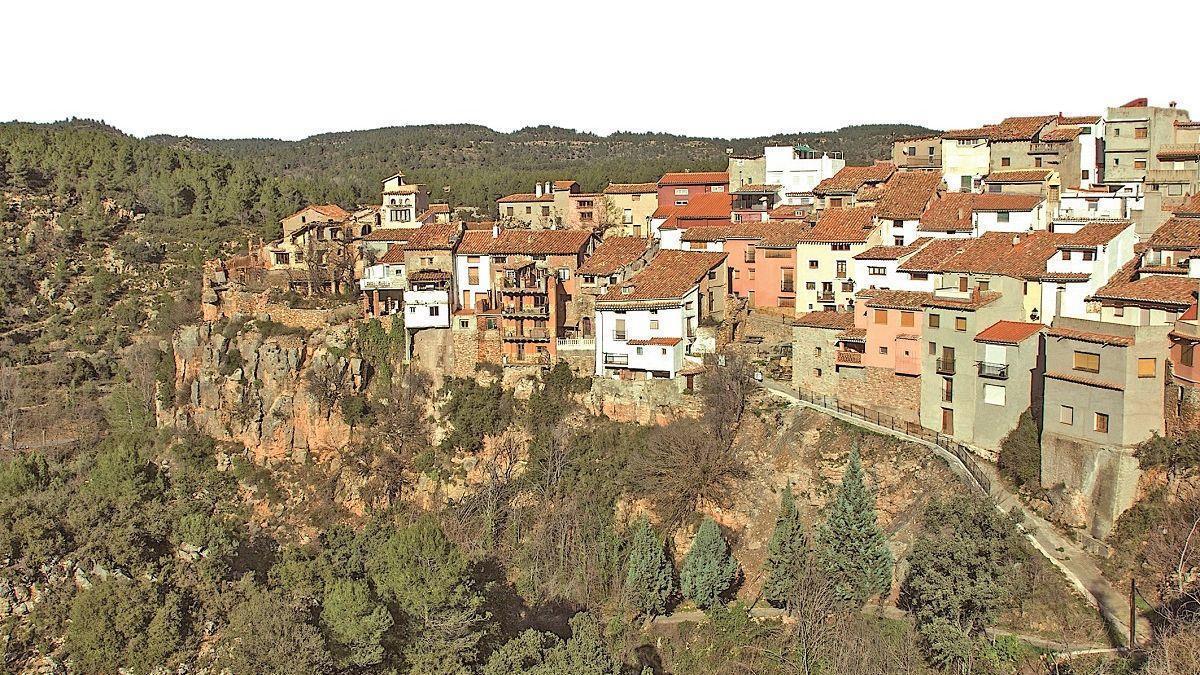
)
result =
(480, 164)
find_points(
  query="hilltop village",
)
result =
(1035, 270)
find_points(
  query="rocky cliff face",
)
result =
(264, 392)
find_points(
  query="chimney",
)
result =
(495, 230)
(1016, 239)
(975, 294)
(537, 189)
(549, 189)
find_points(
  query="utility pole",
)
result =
(1132, 614)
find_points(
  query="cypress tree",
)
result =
(786, 553)
(853, 549)
(709, 570)
(650, 581)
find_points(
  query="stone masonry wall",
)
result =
(1181, 408)
(883, 390)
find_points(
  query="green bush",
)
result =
(1020, 458)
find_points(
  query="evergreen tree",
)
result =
(650, 581)
(355, 622)
(709, 570)
(787, 552)
(853, 548)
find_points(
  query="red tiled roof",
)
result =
(892, 252)
(1142, 102)
(524, 242)
(782, 234)
(998, 201)
(1079, 119)
(1191, 207)
(658, 341)
(840, 225)
(906, 194)
(706, 206)
(970, 304)
(614, 253)
(853, 334)
(1018, 176)
(1020, 256)
(1177, 234)
(949, 213)
(1190, 314)
(1089, 336)
(1179, 152)
(757, 189)
(831, 320)
(934, 255)
(564, 184)
(434, 209)
(434, 237)
(890, 299)
(1060, 135)
(1152, 288)
(1095, 234)
(525, 197)
(394, 255)
(789, 212)
(694, 178)
(851, 178)
(1087, 381)
(390, 234)
(429, 275)
(1021, 128)
(331, 211)
(670, 274)
(630, 188)
(1008, 332)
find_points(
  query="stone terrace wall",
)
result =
(882, 390)
(1181, 407)
(642, 401)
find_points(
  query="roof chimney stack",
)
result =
(1016, 239)
(495, 230)
(549, 189)
(537, 190)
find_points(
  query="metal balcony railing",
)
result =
(616, 359)
(998, 371)
(825, 296)
(945, 366)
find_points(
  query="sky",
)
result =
(221, 69)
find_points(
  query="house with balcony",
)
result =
(905, 198)
(966, 158)
(892, 321)
(612, 262)
(825, 257)
(1077, 208)
(918, 153)
(1084, 262)
(532, 312)
(754, 202)
(879, 267)
(850, 184)
(1133, 135)
(646, 327)
(746, 169)
(677, 189)
(430, 296)
(403, 203)
(1104, 394)
(761, 262)
(1177, 178)
(383, 283)
(798, 170)
(627, 209)
(1008, 380)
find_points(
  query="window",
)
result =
(787, 284)
(995, 188)
(962, 284)
(1116, 131)
(750, 272)
(1005, 161)
(897, 223)
(964, 183)
(1175, 190)
(1186, 353)
(816, 372)
(816, 351)
(883, 350)
(1100, 425)
(473, 276)
(619, 330)
(1139, 132)
(1085, 174)
(841, 269)
(1147, 367)
(908, 319)
(627, 217)
(545, 211)
(718, 188)
(1087, 362)
(876, 271)
(585, 203)
(712, 275)
(491, 324)
(948, 389)
(681, 192)
(933, 349)
(653, 324)
(983, 285)
(680, 202)
(639, 351)
(808, 285)
(635, 198)
(960, 324)
(839, 247)
(434, 310)
(1089, 255)
(993, 394)
(935, 320)
(1002, 216)
(528, 210)
(1119, 311)
(1037, 162)
(1086, 131)
(1066, 415)
(1139, 163)
(585, 216)
(464, 323)
(881, 317)
(813, 264)
(835, 202)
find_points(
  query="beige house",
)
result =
(311, 231)
(825, 256)
(1168, 187)
(626, 209)
(1133, 136)
(552, 204)
(746, 170)
(917, 153)
(402, 203)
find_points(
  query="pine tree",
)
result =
(786, 553)
(852, 546)
(709, 570)
(650, 581)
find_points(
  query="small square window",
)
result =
(960, 324)
(1147, 367)
(935, 320)
(1066, 415)
(1101, 423)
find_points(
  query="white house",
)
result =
(402, 202)
(1085, 261)
(798, 169)
(966, 158)
(384, 283)
(1084, 206)
(427, 300)
(645, 327)
(1000, 212)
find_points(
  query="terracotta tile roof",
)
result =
(984, 132)
(390, 234)
(1087, 381)
(394, 255)
(1137, 103)
(433, 210)
(1191, 207)
(694, 178)
(522, 197)
(1089, 336)
(1061, 134)
(706, 206)
(906, 194)
(890, 299)
(869, 193)
(1190, 314)
(664, 211)
(1127, 286)
(524, 242)
(670, 275)
(892, 252)
(614, 253)
(1079, 119)
(333, 212)
(782, 234)
(831, 320)
(853, 334)
(658, 341)
(851, 178)
(1179, 152)
(757, 189)
(971, 304)
(434, 237)
(1161, 269)
(630, 188)
(1008, 332)
(565, 184)
(1096, 233)
(1018, 176)
(1187, 124)
(998, 201)
(1177, 234)
(949, 213)
(1021, 128)
(1021, 256)
(841, 225)
(479, 224)
(789, 212)
(429, 275)
(933, 255)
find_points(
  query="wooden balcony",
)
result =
(847, 357)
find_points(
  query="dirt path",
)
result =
(1074, 562)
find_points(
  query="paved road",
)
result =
(1075, 563)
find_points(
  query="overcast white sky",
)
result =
(222, 69)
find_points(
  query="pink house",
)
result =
(761, 260)
(892, 321)
(675, 189)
